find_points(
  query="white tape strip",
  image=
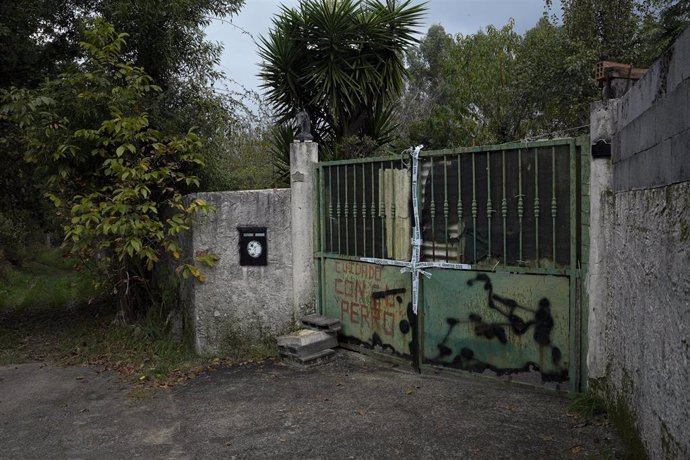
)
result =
(414, 266)
(398, 263)
(444, 265)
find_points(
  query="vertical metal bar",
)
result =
(355, 209)
(445, 202)
(372, 213)
(574, 211)
(537, 211)
(322, 240)
(575, 307)
(553, 203)
(347, 215)
(489, 203)
(364, 211)
(337, 209)
(382, 208)
(321, 209)
(520, 209)
(330, 208)
(393, 210)
(460, 229)
(433, 214)
(474, 209)
(504, 208)
(408, 236)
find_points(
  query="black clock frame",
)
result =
(248, 234)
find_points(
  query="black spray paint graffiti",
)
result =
(406, 326)
(541, 322)
(383, 294)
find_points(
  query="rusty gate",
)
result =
(468, 259)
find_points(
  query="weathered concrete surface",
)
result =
(639, 280)
(303, 158)
(241, 302)
(646, 315)
(350, 408)
(600, 213)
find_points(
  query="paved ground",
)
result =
(352, 408)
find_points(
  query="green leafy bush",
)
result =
(117, 182)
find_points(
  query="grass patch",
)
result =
(44, 280)
(587, 405)
(143, 354)
(50, 312)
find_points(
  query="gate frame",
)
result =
(576, 271)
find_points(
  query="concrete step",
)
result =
(314, 360)
(306, 342)
(322, 323)
(307, 346)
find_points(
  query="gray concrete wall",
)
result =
(639, 281)
(239, 304)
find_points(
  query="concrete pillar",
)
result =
(600, 215)
(303, 157)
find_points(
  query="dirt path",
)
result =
(352, 408)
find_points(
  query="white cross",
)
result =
(414, 266)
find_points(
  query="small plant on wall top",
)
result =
(116, 181)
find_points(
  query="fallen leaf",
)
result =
(576, 449)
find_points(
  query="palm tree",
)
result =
(343, 62)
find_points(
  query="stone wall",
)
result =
(639, 278)
(240, 304)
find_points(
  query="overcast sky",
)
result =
(240, 58)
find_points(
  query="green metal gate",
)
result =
(497, 252)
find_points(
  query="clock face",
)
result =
(254, 248)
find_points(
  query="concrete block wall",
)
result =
(639, 279)
(241, 303)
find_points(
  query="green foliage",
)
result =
(240, 158)
(558, 85)
(341, 61)
(587, 405)
(485, 79)
(603, 29)
(662, 22)
(40, 40)
(117, 182)
(428, 114)
(46, 279)
(628, 31)
(89, 334)
(499, 86)
(12, 241)
(37, 38)
(493, 86)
